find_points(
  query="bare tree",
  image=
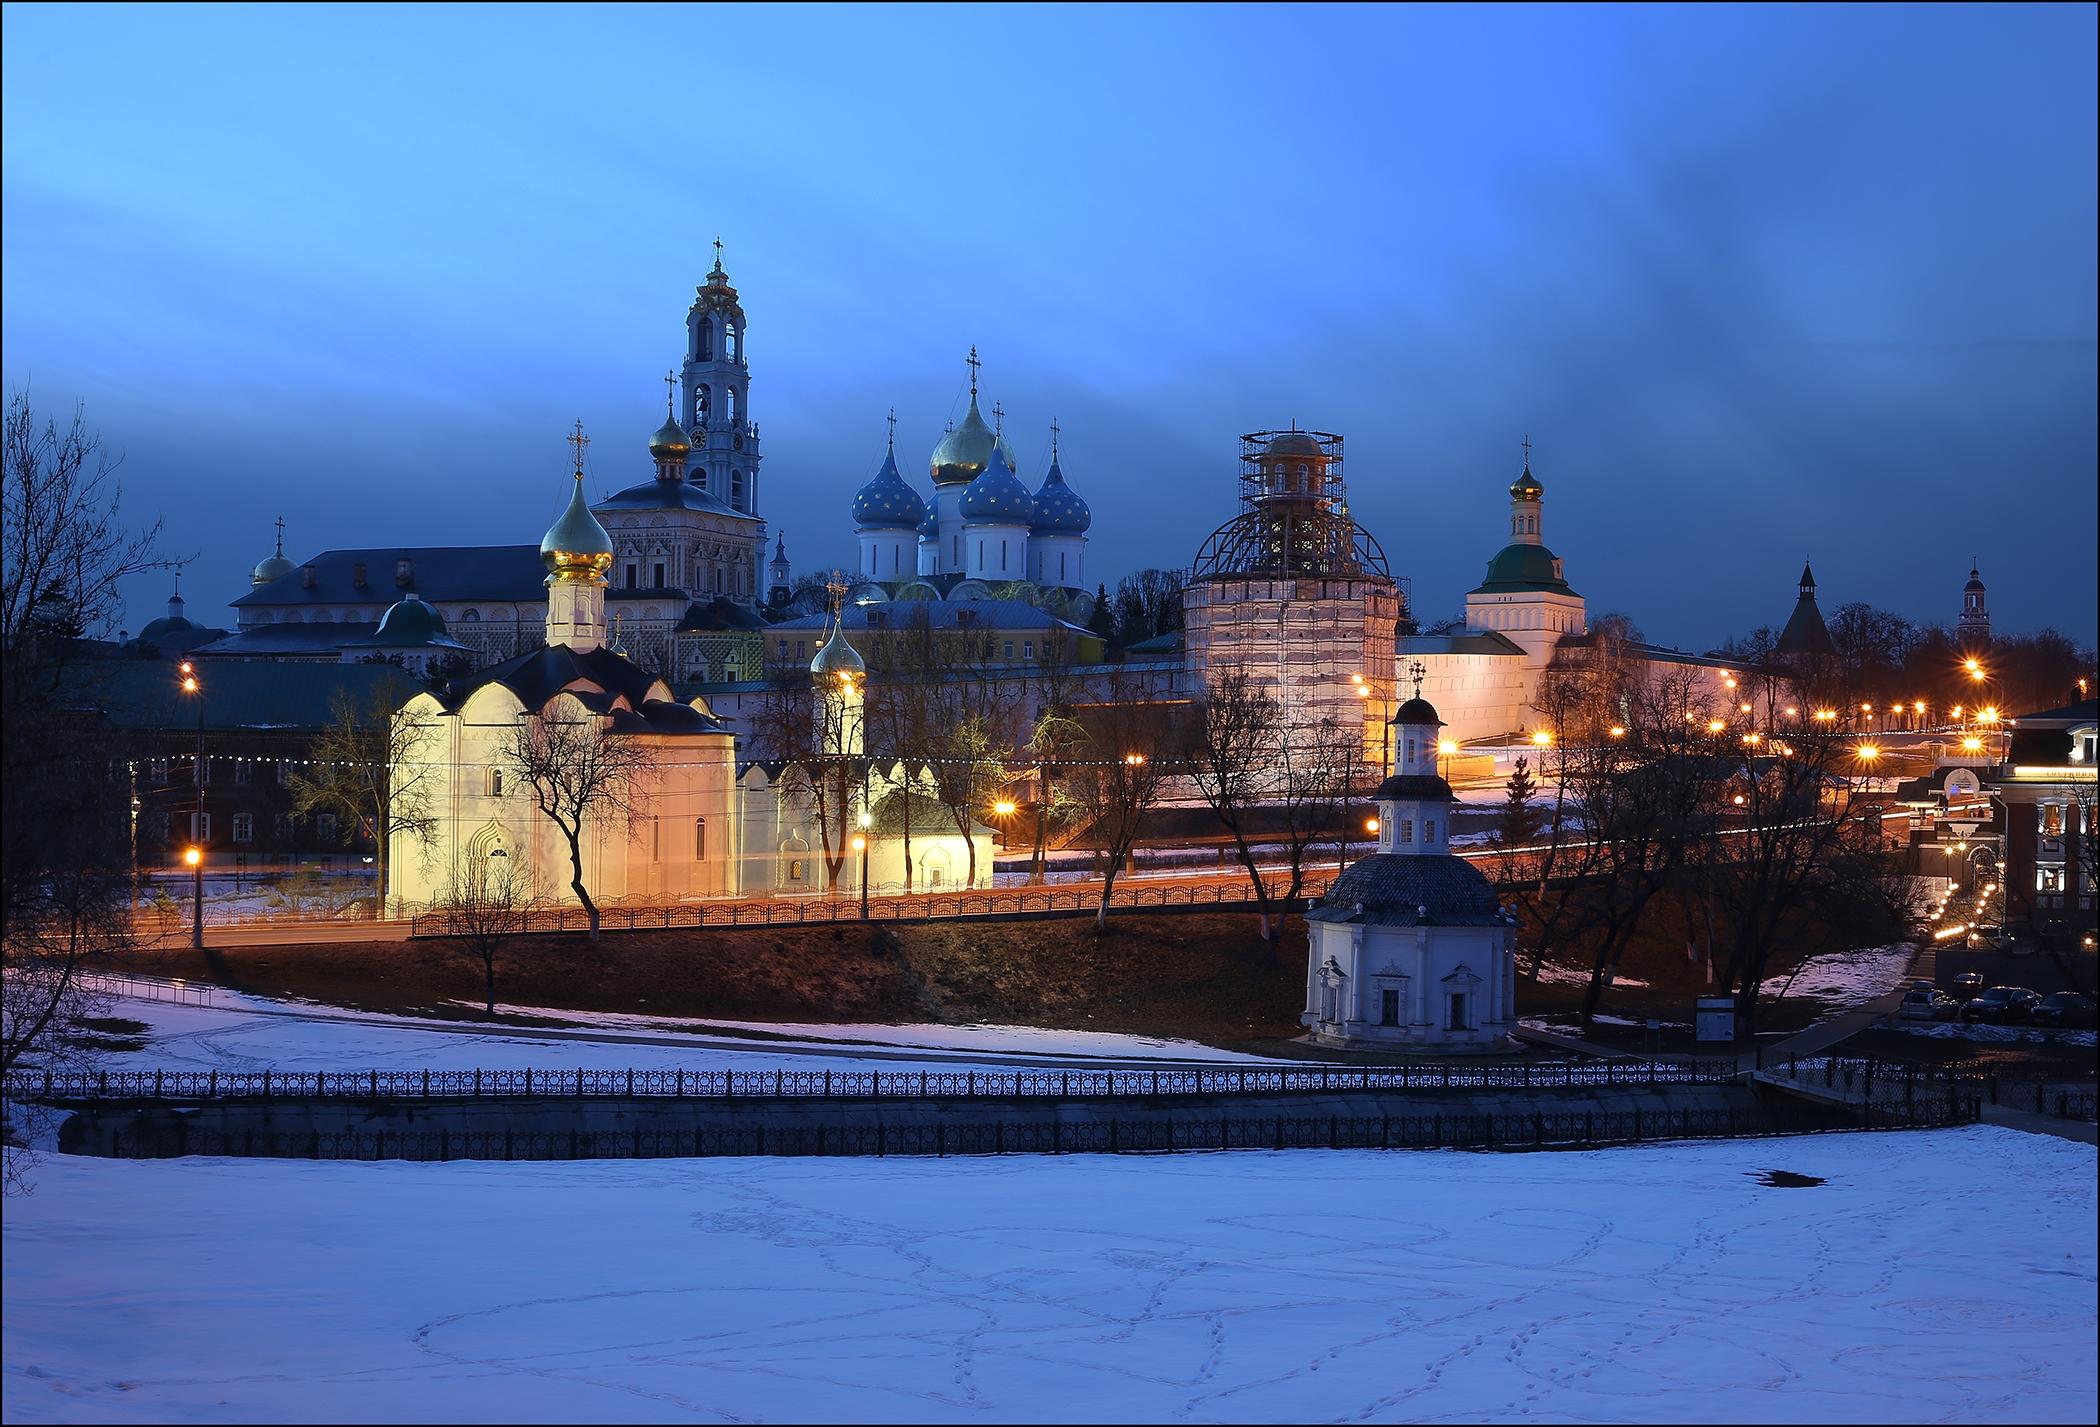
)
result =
(65, 861)
(1310, 792)
(484, 907)
(1230, 752)
(362, 770)
(969, 770)
(1121, 776)
(582, 777)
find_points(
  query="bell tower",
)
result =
(1974, 627)
(717, 381)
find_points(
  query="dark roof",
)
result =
(2067, 715)
(540, 674)
(1417, 710)
(139, 693)
(659, 716)
(536, 677)
(1523, 567)
(670, 495)
(1394, 890)
(1416, 786)
(270, 641)
(440, 573)
(940, 614)
(719, 613)
(1805, 632)
(1471, 642)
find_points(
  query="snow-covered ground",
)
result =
(1845, 979)
(237, 1032)
(1981, 1031)
(1945, 1276)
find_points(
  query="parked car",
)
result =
(1918, 984)
(1967, 986)
(1928, 1006)
(2004, 1005)
(2065, 1008)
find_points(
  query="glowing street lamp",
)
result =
(1617, 730)
(1826, 715)
(1133, 760)
(1541, 738)
(1866, 753)
(860, 845)
(1371, 826)
(1714, 725)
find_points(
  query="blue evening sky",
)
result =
(1760, 283)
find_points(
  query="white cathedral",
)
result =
(686, 822)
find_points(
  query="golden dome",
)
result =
(577, 548)
(964, 452)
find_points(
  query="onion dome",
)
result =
(1294, 443)
(577, 548)
(1526, 486)
(837, 657)
(410, 620)
(1058, 508)
(276, 567)
(670, 441)
(965, 451)
(887, 502)
(1417, 710)
(930, 527)
(997, 497)
(1524, 567)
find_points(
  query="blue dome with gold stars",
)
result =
(997, 496)
(1058, 508)
(887, 502)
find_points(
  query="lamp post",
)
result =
(860, 845)
(195, 855)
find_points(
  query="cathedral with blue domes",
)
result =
(980, 534)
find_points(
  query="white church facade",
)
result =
(1410, 949)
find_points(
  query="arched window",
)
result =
(736, 489)
(728, 340)
(472, 616)
(702, 403)
(706, 351)
(729, 405)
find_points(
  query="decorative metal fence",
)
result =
(1209, 1081)
(885, 907)
(1153, 1134)
(2045, 1089)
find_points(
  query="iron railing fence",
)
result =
(885, 907)
(1152, 1134)
(1019, 1084)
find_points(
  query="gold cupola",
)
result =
(577, 547)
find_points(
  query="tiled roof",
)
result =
(441, 574)
(1396, 890)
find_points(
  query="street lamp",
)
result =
(860, 845)
(195, 856)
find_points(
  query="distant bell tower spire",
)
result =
(1973, 629)
(715, 384)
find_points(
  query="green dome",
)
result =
(410, 620)
(1524, 567)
